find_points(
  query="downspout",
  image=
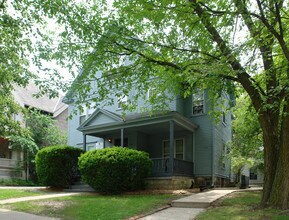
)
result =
(213, 156)
(171, 159)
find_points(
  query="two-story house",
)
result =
(12, 160)
(185, 144)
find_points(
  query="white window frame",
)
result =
(151, 91)
(82, 115)
(198, 100)
(85, 113)
(175, 153)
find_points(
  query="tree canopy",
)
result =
(43, 129)
(178, 45)
(20, 26)
(246, 148)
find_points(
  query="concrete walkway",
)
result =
(186, 208)
(30, 198)
(14, 215)
(189, 207)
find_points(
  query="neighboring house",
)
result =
(10, 160)
(256, 176)
(185, 145)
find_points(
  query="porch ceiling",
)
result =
(147, 124)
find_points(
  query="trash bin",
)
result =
(244, 182)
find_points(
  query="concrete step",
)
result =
(200, 200)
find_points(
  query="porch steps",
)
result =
(79, 187)
(200, 200)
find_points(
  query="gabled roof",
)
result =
(99, 117)
(26, 97)
(110, 121)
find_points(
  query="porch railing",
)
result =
(9, 163)
(161, 167)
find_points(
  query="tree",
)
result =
(43, 129)
(43, 132)
(20, 26)
(184, 44)
(246, 148)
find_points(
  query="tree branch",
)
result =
(243, 77)
(176, 48)
(150, 59)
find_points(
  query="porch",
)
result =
(10, 168)
(168, 138)
(11, 163)
(161, 168)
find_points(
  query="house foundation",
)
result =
(174, 182)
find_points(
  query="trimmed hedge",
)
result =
(115, 170)
(56, 166)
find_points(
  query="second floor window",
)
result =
(83, 115)
(198, 103)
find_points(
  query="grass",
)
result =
(242, 206)
(93, 206)
(13, 193)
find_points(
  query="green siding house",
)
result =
(186, 145)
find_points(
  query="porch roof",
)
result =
(102, 121)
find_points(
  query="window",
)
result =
(122, 101)
(253, 174)
(83, 115)
(178, 147)
(198, 103)
(82, 119)
(152, 93)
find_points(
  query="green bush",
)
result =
(115, 170)
(56, 166)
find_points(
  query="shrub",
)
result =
(56, 166)
(115, 170)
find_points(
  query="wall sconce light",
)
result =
(109, 140)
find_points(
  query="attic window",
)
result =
(198, 106)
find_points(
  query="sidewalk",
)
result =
(30, 198)
(186, 208)
(189, 207)
(14, 215)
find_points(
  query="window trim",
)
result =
(86, 113)
(201, 99)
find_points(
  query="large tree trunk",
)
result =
(271, 143)
(280, 188)
(276, 172)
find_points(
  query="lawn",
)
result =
(13, 193)
(93, 206)
(242, 206)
